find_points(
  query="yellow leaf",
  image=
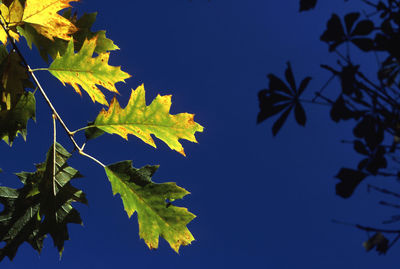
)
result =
(12, 17)
(81, 69)
(42, 15)
(142, 121)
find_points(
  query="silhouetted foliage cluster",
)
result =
(372, 103)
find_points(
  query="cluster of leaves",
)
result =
(372, 104)
(79, 57)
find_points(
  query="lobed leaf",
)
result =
(156, 216)
(51, 48)
(142, 121)
(80, 69)
(33, 211)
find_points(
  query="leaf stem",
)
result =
(39, 86)
(81, 129)
(40, 69)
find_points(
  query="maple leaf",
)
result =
(81, 69)
(152, 202)
(42, 15)
(33, 211)
(14, 121)
(142, 121)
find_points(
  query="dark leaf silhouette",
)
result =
(278, 124)
(369, 101)
(360, 147)
(349, 181)
(282, 97)
(300, 114)
(340, 111)
(377, 241)
(336, 34)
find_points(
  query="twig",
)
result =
(54, 154)
(39, 86)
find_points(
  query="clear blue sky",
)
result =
(261, 202)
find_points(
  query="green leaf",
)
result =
(84, 24)
(156, 216)
(15, 120)
(81, 69)
(44, 45)
(33, 211)
(92, 132)
(142, 121)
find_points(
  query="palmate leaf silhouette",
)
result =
(336, 34)
(282, 97)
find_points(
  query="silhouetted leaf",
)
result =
(350, 179)
(378, 241)
(290, 78)
(350, 19)
(307, 4)
(280, 121)
(300, 114)
(335, 34)
(360, 147)
(364, 27)
(364, 44)
(303, 85)
(268, 106)
(276, 84)
(340, 111)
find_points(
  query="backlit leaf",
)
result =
(51, 48)
(142, 121)
(12, 17)
(152, 202)
(42, 15)
(80, 69)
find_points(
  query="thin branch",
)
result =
(385, 191)
(366, 228)
(40, 69)
(54, 154)
(314, 102)
(81, 152)
(318, 94)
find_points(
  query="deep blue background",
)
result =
(261, 202)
